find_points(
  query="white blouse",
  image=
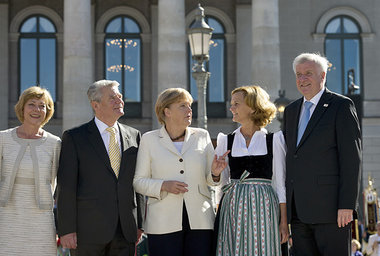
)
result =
(256, 147)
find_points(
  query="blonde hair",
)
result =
(258, 100)
(357, 243)
(168, 97)
(35, 92)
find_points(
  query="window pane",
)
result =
(334, 26)
(113, 59)
(218, 28)
(349, 26)
(132, 70)
(46, 26)
(114, 26)
(130, 26)
(334, 75)
(28, 63)
(351, 61)
(29, 26)
(47, 66)
(216, 67)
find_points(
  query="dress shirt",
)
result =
(313, 100)
(106, 135)
(257, 146)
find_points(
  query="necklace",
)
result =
(177, 138)
(246, 137)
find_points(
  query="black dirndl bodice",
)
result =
(258, 166)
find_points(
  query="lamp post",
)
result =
(199, 38)
(281, 102)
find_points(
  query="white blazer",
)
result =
(158, 160)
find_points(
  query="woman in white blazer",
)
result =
(173, 170)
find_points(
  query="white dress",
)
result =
(28, 172)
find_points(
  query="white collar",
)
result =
(102, 126)
(316, 97)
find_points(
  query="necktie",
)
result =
(114, 151)
(304, 120)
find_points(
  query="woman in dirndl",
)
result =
(252, 214)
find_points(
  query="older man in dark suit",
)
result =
(323, 162)
(96, 201)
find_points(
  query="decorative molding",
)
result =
(122, 10)
(343, 10)
(36, 10)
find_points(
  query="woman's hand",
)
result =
(219, 163)
(173, 186)
(284, 232)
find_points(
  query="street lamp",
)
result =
(281, 102)
(199, 38)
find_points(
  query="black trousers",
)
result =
(118, 246)
(186, 242)
(325, 239)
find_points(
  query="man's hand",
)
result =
(344, 217)
(69, 241)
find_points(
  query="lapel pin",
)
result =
(325, 105)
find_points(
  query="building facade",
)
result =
(65, 45)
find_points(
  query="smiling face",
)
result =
(309, 79)
(111, 106)
(35, 112)
(240, 110)
(179, 113)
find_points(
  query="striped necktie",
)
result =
(304, 120)
(114, 151)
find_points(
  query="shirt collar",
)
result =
(102, 126)
(316, 98)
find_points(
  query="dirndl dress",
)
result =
(249, 213)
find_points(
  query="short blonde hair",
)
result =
(35, 92)
(357, 243)
(168, 97)
(258, 100)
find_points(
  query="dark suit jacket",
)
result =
(90, 198)
(323, 171)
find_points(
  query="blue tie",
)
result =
(304, 120)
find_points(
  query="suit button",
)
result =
(181, 160)
(181, 171)
(295, 156)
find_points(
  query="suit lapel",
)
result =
(189, 140)
(319, 110)
(97, 143)
(166, 141)
(124, 138)
(295, 120)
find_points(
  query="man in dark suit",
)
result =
(96, 202)
(323, 162)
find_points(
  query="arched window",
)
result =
(216, 66)
(38, 54)
(343, 50)
(123, 60)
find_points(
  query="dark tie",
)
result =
(304, 120)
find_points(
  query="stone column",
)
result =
(171, 57)
(77, 67)
(266, 46)
(4, 65)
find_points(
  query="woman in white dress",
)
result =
(28, 167)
